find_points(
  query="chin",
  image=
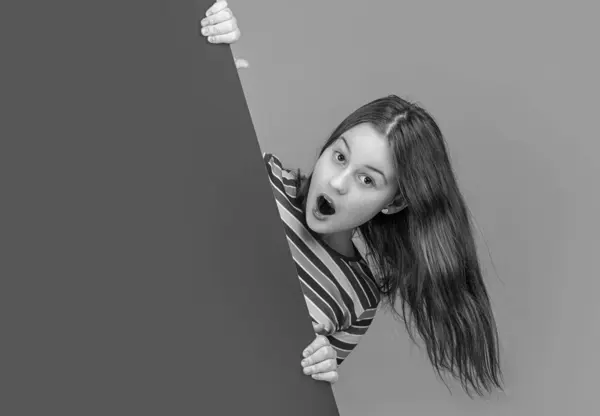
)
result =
(323, 227)
(317, 226)
(312, 223)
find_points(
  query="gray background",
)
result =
(513, 86)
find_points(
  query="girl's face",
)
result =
(353, 180)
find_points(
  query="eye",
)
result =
(368, 181)
(338, 156)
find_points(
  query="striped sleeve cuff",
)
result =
(344, 342)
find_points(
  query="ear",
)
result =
(395, 206)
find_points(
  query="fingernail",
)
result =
(305, 353)
(205, 31)
(306, 370)
(304, 362)
(211, 39)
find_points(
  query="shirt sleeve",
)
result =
(345, 341)
(281, 179)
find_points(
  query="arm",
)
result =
(326, 353)
(344, 342)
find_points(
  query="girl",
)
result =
(383, 181)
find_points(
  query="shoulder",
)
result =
(369, 282)
(366, 261)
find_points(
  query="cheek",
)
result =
(367, 203)
(320, 171)
(365, 206)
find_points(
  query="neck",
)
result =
(341, 242)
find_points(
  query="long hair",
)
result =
(426, 255)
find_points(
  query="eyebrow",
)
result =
(368, 166)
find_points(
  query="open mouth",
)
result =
(325, 205)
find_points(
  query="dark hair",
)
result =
(426, 254)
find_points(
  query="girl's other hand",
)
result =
(320, 359)
(220, 26)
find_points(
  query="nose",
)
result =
(339, 182)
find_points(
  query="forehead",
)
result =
(369, 147)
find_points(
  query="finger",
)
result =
(331, 376)
(220, 17)
(324, 353)
(230, 37)
(321, 367)
(318, 342)
(221, 28)
(241, 63)
(322, 329)
(217, 7)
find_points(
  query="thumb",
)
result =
(241, 63)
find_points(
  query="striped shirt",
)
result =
(339, 291)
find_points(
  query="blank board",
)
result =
(144, 266)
